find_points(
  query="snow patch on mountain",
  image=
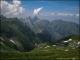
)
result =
(12, 41)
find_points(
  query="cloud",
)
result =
(52, 14)
(77, 15)
(65, 14)
(36, 11)
(11, 9)
(17, 2)
(44, 14)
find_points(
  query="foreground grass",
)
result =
(36, 56)
(42, 53)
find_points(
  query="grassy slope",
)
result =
(73, 37)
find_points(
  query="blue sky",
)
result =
(52, 6)
(50, 10)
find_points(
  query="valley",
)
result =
(39, 30)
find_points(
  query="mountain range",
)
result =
(58, 29)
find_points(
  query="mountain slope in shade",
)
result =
(41, 32)
(60, 29)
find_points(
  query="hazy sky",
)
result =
(50, 10)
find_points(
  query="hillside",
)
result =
(15, 36)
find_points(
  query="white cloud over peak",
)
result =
(13, 9)
(77, 15)
(36, 11)
(65, 14)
